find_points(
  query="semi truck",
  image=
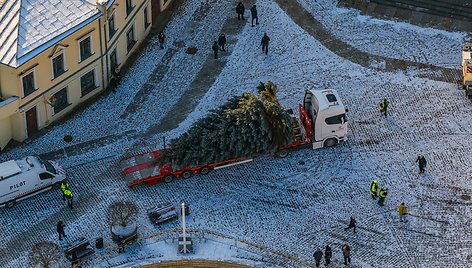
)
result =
(21, 179)
(467, 69)
(321, 122)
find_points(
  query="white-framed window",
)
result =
(111, 25)
(85, 47)
(58, 63)
(88, 82)
(61, 100)
(146, 18)
(114, 58)
(130, 37)
(28, 82)
(129, 6)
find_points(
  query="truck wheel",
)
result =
(56, 186)
(168, 178)
(204, 170)
(10, 204)
(282, 153)
(187, 174)
(330, 142)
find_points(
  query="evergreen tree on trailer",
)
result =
(245, 125)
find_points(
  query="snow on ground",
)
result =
(289, 205)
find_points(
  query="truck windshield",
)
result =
(48, 166)
(337, 119)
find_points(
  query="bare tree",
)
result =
(45, 254)
(122, 212)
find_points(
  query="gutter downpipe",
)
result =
(103, 8)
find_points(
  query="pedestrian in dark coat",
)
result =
(215, 49)
(421, 163)
(327, 255)
(222, 41)
(352, 224)
(60, 229)
(254, 15)
(115, 80)
(318, 255)
(265, 43)
(346, 254)
(162, 40)
(240, 10)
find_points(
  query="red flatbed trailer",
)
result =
(143, 168)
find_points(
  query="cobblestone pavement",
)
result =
(298, 202)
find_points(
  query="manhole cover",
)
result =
(68, 138)
(191, 50)
(465, 197)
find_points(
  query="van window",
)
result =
(45, 176)
(337, 119)
(331, 98)
(49, 167)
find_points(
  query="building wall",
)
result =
(47, 85)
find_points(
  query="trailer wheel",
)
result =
(330, 142)
(282, 153)
(168, 178)
(204, 170)
(10, 204)
(187, 174)
(56, 186)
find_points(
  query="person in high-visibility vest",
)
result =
(64, 187)
(68, 196)
(383, 107)
(374, 189)
(382, 193)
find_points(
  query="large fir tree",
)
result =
(244, 126)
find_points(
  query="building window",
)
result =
(28, 82)
(58, 67)
(85, 47)
(87, 82)
(130, 40)
(146, 18)
(61, 101)
(129, 6)
(111, 26)
(114, 59)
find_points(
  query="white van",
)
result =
(327, 114)
(20, 179)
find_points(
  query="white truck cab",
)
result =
(328, 117)
(20, 179)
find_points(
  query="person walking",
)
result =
(240, 10)
(382, 193)
(215, 48)
(60, 229)
(328, 254)
(222, 41)
(64, 185)
(421, 163)
(265, 43)
(347, 254)
(115, 79)
(352, 224)
(318, 255)
(254, 16)
(68, 195)
(383, 107)
(374, 189)
(402, 212)
(162, 39)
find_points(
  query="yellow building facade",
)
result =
(68, 58)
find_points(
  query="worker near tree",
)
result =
(60, 229)
(68, 195)
(421, 163)
(374, 189)
(318, 255)
(382, 193)
(402, 212)
(383, 107)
